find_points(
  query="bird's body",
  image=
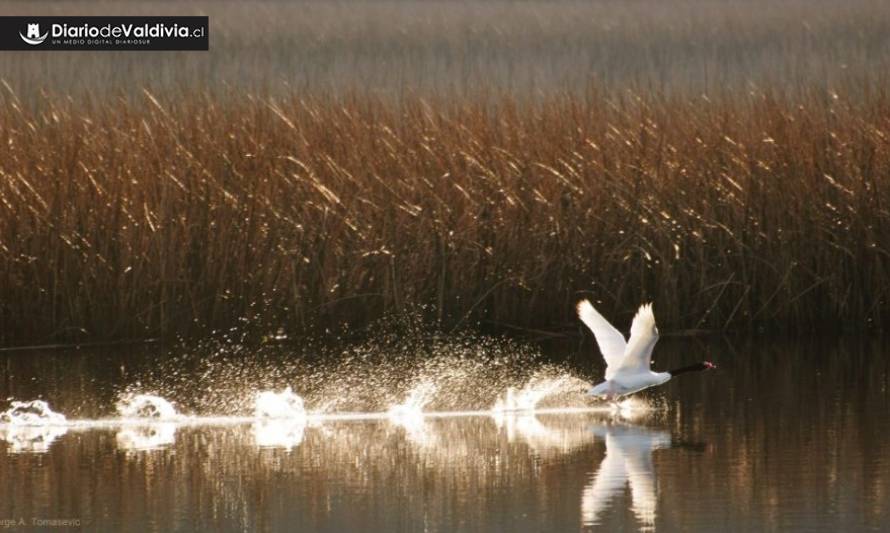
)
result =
(622, 385)
(627, 362)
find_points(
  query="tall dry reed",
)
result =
(187, 215)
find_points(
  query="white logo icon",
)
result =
(34, 37)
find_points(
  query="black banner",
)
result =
(104, 33)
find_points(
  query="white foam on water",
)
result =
(150, 406)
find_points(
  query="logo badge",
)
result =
(34, 38)
(104, 33)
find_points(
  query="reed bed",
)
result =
(187, 215)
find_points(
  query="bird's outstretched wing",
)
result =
(610, 340)
(643, 336)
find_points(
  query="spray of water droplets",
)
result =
(403, 378)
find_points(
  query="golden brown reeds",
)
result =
(193, 214)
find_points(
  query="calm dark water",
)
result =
(790, 435)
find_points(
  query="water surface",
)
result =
(790, 435)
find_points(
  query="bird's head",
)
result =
(708, 365)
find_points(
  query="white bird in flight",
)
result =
(627, 362)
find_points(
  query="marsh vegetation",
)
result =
(490, 163)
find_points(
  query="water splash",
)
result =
(221, 376)
(279, 405)
(528, 398)
(145, 406)
(33, 413)
(419, 397)
(633, 409)
(31, 427)
(283, 419)
(409, 414)
(412, 381)
(509, 402)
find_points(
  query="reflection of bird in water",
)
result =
(628, 460)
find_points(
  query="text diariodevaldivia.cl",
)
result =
(157, 30)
